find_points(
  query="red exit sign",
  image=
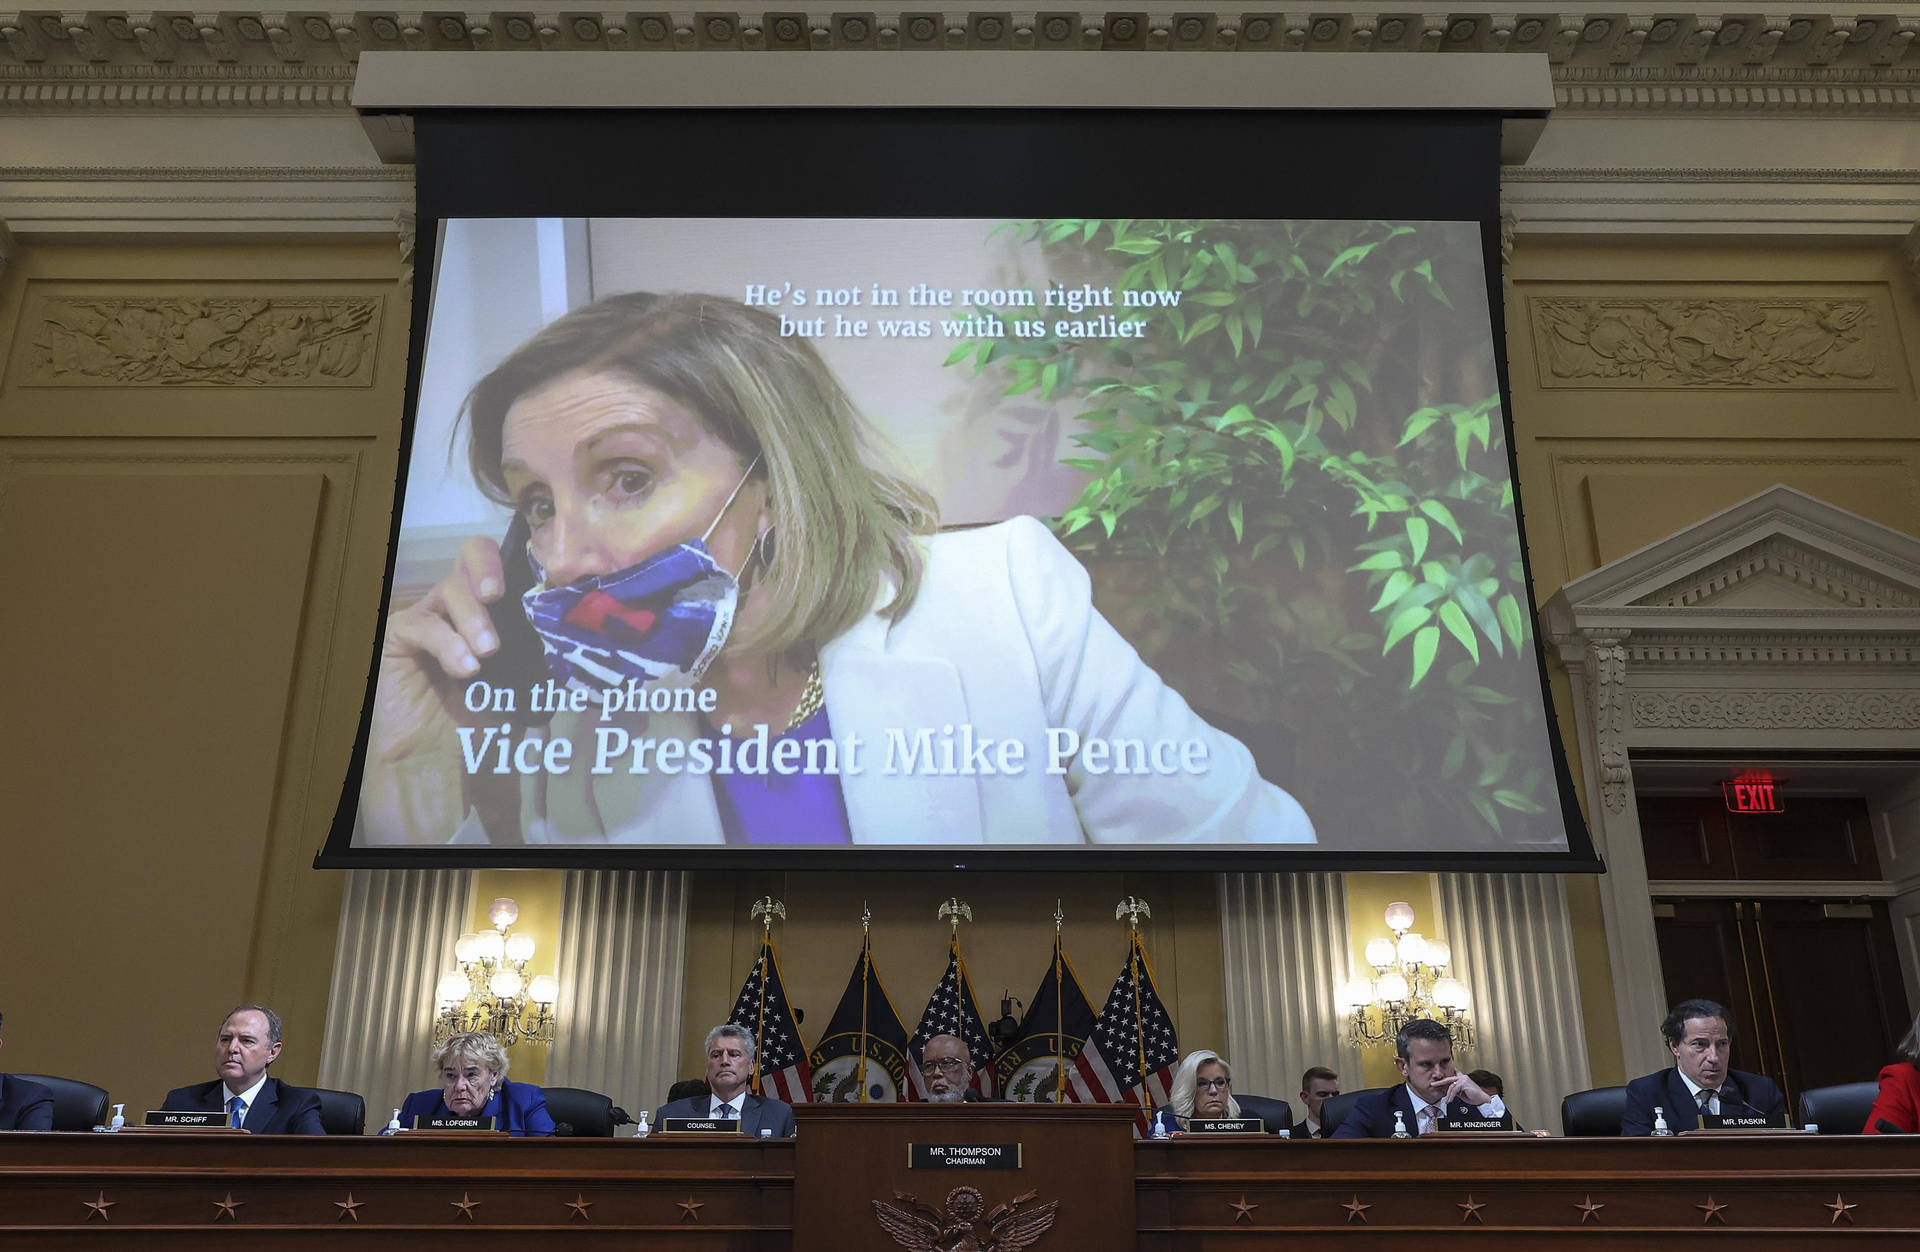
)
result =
(1753, 795)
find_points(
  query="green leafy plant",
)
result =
(1299, 507)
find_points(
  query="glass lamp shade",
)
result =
(544, 989)
(1450, 993)
(1393, 987)
(1380, 952)
(1399, 916)
(490, 946)
(452, 990)
(506, 983)
(466, 949)
(503, 912)
(1412, 949)
(1439, 955)
(1356, 993)
(519, 948)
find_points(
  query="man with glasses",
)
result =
(947, 1066)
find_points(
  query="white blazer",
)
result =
(1003, 638)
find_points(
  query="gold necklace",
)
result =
(812, 696)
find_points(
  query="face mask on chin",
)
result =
(662, 620)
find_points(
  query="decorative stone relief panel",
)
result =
(200, 341)
(1688, 341)
(1720, 709)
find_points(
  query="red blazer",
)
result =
(1899, 1101)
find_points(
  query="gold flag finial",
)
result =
(1059, 918)
(766, 908)
(956, 911)
(1133, 910)
(866, 918)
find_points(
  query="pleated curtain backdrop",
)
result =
(1513, 946)
(397, 931)
(622, 970)
(1283, 938)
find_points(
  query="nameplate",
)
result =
(703, 1125)
(187, 1121)
(453, 1123)
(1476, 1125)
(963, 1156)
(1226, 1126)
(1744, 1121)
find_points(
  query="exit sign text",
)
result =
(1752, 795)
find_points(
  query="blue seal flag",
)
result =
(862, 1055)
(1033, 1068)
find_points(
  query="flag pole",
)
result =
(866, 967)
(955, 910)
(1059, 1013)
(1133, 910)
(765, 908)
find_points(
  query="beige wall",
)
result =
(197, 445)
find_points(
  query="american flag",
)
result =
(1131, 1055)
(952, 1010)
(780, 1059)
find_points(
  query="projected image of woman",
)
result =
(771, 643)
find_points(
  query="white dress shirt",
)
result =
(1712, 1107)
(246, 1099)
(1495, 1107)
(738, 1104)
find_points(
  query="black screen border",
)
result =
(1433, 165)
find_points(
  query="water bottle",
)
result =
(1660, 1126)
(1400, 1125)
(640, 1128)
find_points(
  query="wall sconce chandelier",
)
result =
(1410, 982)
(491, 992)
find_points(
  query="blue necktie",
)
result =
(236, 1112)
(728, 1113)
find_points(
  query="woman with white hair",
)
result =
(1202, 1087)
(473, 1083)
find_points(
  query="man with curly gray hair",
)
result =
(730, 1075)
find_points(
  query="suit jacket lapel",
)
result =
(260, 1112)
(1684, 1113)
(750, 1115)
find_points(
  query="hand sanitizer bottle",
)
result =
(641, 1129)
(119, 1121)
(1400, 1125)
(393, 1124)
(1660, 1126)
(1160, 1129)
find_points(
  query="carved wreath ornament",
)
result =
(960, 1227)
(1660, 342)
(221, 341)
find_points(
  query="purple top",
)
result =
(775, 808)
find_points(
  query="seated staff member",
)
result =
(729, 1069)
(1202, 1087)
(1433, 1091)
(248, 1042)
(1896, 1110)
(473, 1083)
(24, 1105)
(1317, 1086)
(946, 1063)
(1700, 1036)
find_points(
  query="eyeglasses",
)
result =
(1213, 1084)
(947, 1064)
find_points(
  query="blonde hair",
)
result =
(474, 1046)
(1186, 1083)
(844, 522)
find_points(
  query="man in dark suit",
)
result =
(729, 1070)
(1433, 1091)
(24, 1105)
(1317, 1086)
(249, 1041)
(1700, 1037)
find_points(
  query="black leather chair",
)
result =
(1594, 1114)
(341, 1112)
(583, 1114)
(1336, 1108)
(689, 1089)
(1840, 1110)
(1277, 1114)
(76, 1105)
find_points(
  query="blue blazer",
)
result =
(756, 1113)
(278, 1110)
(518, 1108)
(24, 1105)
(1372, 1115)
(1741, 1093)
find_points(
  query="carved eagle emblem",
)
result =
(960, 1225)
